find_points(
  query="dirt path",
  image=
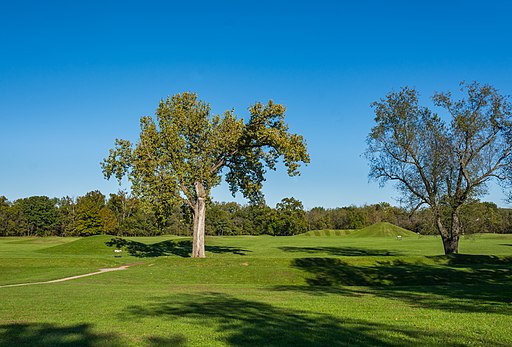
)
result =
(100, 271)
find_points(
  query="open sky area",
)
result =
(76, 75)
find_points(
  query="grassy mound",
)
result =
(327, 232)
(91, 245)
(383, 229)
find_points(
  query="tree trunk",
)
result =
(199, 223)
(451, 244)
(451, 238)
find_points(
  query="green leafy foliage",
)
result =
(88, 208)
(126, 217)
(183, 153)
(290, 219)
(186, 145)
(38, 214)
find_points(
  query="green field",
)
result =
(324, 288)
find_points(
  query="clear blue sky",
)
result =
(76, 75)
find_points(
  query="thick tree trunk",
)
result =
(450, 237)
(199, 223)
(451, 244)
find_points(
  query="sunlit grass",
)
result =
(273, 291)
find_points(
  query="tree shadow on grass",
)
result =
(181, 248)
(341, 251)
(251, 323)
(81, 335)
(462, 283)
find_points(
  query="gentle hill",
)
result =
(383, 229)
(91, 245)
(327, 232)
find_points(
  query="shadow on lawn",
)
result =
(181, 248)
(463, 283)
(341, 251)
(251, 323)
(81, 335)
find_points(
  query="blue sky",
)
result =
(76, 75)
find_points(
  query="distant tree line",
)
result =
(476, 217)
(123, 215)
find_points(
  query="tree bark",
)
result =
(199, 222)
(451, 244)
(451, 238)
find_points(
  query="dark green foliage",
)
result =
(67, 216)
(482, 216)
(123, 215)
(5, 216)
(476, 217)
(38, 214)
(353, 217)
(290, 218)
(255, 219)
(220, 219)
(89, 221)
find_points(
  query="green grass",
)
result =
(327, 232)
(383, 229)
(259, 291)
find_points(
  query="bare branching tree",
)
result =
(442, 164)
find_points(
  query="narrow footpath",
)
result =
(100, 271)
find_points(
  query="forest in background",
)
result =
(123, 215)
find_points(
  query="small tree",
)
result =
(182, 155)
(442, 165)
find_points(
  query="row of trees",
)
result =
(124, 215)
(476, 217)
(90, 214)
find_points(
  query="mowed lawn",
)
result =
(332, 290)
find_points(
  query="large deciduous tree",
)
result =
(442, 164)
(182, 154)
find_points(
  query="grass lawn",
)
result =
(319, 289)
